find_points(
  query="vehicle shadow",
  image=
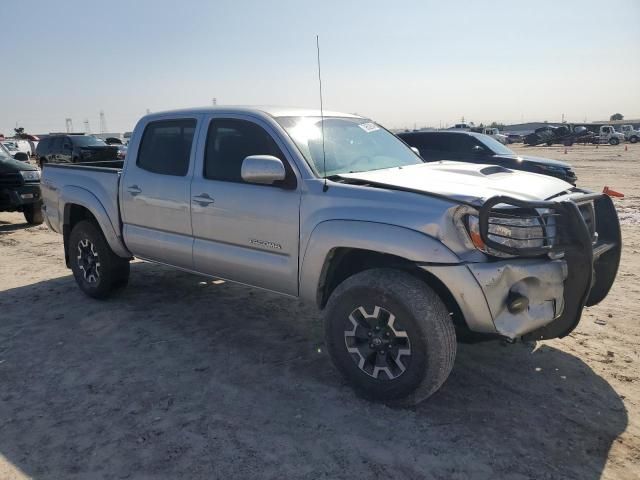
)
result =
(6, 227)
(177, 377)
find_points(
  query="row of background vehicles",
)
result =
(19, 181)
(569, 134)
(565, 134)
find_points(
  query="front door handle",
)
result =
(203, 199)
(134, 190)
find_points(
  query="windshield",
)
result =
(350, 144)
(87, 140)
(495, 146)
(4, 153)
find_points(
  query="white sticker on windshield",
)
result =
(369, 127)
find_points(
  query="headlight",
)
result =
(30, 175)
(511, 231)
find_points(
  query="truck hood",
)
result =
(11, 165)
(541, 160)
(464, 182)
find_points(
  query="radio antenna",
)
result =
(325, 187)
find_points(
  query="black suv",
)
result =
(20, 186)
(473, 147)
(74, 149)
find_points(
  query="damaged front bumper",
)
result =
(539, 297)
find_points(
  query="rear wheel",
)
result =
(633, 139)
(614, 141)
(549, 144)
(33, 213)
(390, 335)
(97, 270)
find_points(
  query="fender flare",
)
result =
(72, 195)
(403, 242)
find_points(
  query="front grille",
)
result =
(503, 221)
(11, 180)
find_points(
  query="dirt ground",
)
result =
(180, 377)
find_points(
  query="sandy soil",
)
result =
(180, 378)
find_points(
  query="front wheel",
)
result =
(390, 335)
(614, 141)
(33, 213)
(97, 270)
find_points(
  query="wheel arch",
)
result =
(80, 204)
(367, 245)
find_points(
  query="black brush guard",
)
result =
(586, 230)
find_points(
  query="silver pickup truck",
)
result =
(403, 257)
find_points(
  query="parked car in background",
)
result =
(122, 151)
(13, 150)
(336, 210)
(514, 137)
(474, 147)
(22, 145)
(74, 149)
(566, 135)
(20, 186)
(463, 126)
(495, 133)
(607, 134)
(630, 134)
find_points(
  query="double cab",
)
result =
(402, 256)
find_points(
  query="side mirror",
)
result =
(262, 169)
(415, 150)
(23, 157)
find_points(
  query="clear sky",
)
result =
(400, 63)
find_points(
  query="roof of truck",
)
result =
(269, 110)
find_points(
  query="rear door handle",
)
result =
(203, 199)
(134, 190)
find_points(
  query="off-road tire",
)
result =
(418, 311)
(633, 139)
(614, 141)
(112, 271)
(33, 213)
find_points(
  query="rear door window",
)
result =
(166, 147)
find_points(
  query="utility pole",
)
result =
(214, 101)
(87, 129)
(68, 124)
(103, 122)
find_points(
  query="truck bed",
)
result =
(96, 182)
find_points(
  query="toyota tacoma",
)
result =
(403, 257)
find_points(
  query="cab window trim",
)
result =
(153, 123)
(289, 183)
